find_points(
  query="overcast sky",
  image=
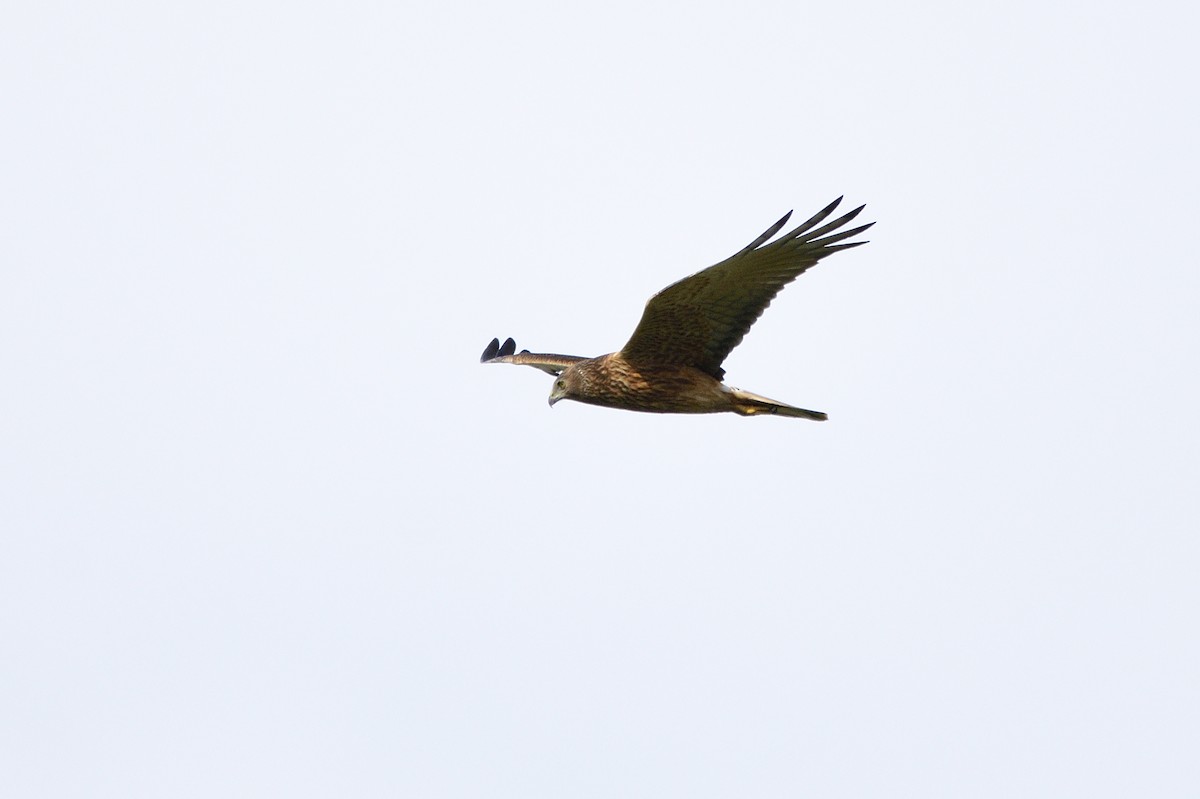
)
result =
(269, 529)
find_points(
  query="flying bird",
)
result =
(672, 363)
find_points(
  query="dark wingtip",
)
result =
(508, 347)
(490, 351)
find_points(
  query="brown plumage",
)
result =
(672, 363)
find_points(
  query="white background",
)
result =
(270, 530)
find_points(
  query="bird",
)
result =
(672, 362)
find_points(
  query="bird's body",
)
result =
(672, 363)
(615, 382)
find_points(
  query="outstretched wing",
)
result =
(700, 319)
(507, 353)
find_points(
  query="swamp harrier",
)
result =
(672, 363)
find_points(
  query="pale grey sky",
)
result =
(270, 530)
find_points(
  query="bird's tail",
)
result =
(748, 404)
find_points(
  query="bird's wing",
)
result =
(700, 319)
(507, 353)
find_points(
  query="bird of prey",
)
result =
(672, 363)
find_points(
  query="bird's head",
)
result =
(564, 386)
